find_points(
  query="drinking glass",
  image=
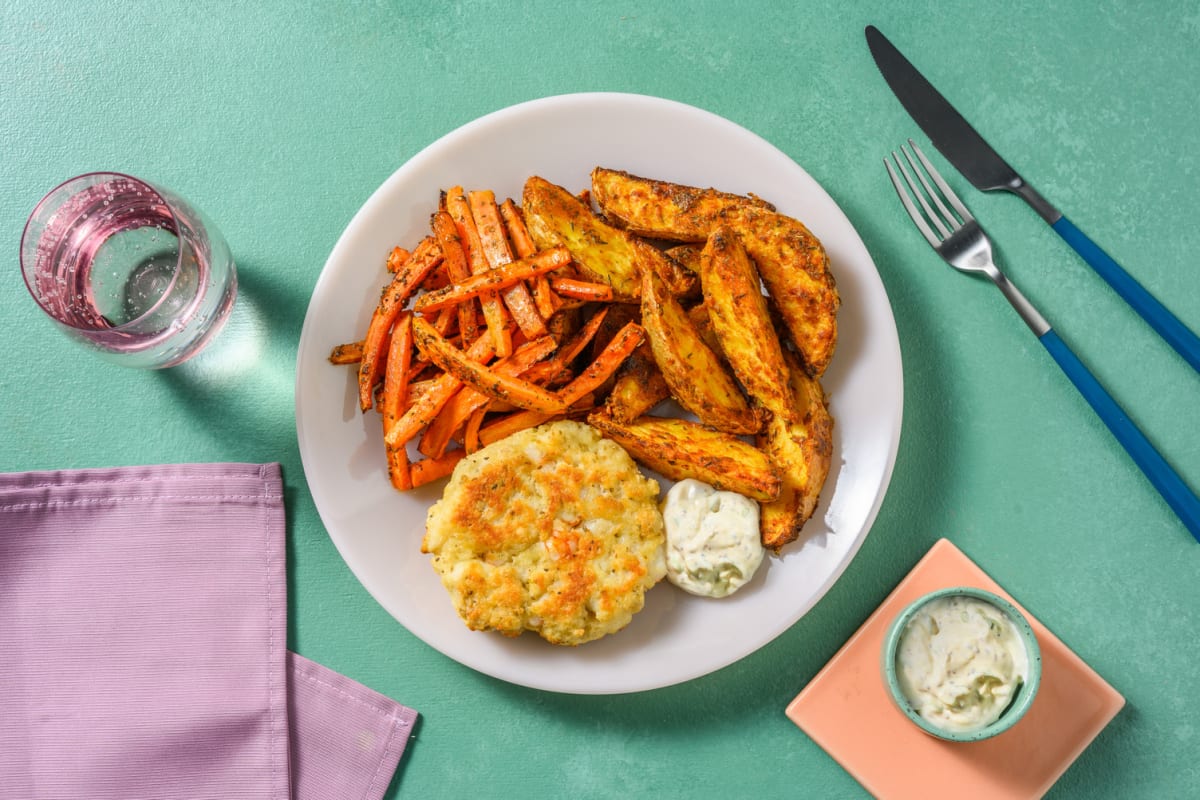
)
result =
(128, 268)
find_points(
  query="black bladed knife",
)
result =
(987, 171)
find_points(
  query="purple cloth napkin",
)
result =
(143, 647)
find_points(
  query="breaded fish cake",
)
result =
(554, 530)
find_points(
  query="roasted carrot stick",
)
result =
(457, 271)
(460, 408)
(493, 278)
(430, 469)
(497, 251)
(513, 423)
(568, 351)
(522, 242)
(427, 256)
(493, 310)
(471, 441)
(581, 290)
(348, 353)
(500, 387)
(621, 346)
(425, 408)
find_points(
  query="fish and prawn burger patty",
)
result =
(554, 530)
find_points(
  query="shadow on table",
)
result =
(240, 388)
(1105, 768)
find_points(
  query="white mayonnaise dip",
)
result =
(960, 661)
(713, 544)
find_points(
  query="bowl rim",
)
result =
(1012, 713)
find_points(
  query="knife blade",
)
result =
(980, 164)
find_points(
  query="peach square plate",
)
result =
(847, 711)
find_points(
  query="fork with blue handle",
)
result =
(960, 240)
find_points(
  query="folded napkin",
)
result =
(143, 650)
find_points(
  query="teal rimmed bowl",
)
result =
(1022, 699)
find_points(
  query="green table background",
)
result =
(280, 119)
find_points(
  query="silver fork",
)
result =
(961, 241)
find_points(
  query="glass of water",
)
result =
(128, 268)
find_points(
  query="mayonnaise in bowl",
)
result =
(962, 663)
(713, 541)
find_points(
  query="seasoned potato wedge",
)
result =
(694, 373)
(795, 268)
(687, 255)
(601, 252)
(639, 386)
(661, 209)
(678, 449)
(742, 322)
(800, 448)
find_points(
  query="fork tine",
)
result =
(911, 207)
(945, 187)
(951, 220)
(933, 217)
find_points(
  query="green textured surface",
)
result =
(280, 119)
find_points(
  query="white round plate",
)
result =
(378, 530)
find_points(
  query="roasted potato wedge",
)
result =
(601, 252)
(678, 449)
(687, 255)
(696, 376)
(800, 448)
(639, 386)
(740, 318)
(660, 209)
(795, 268)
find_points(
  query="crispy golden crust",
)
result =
(800, 447)
(603, 253)
(661, 209)
(795, 268)
(696, 376)
(639, 386)
(678, 449)
(552, 530)
(739, 315)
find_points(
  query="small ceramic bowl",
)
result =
(1021, 700)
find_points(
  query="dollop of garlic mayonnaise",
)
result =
(713, 541)
(960, 662)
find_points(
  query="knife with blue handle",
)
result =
(987, 171)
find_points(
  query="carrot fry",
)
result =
(425, 408)
(430, 469)
(493, 278)
(518, 234)
(498, 253)
(436, 279)
(399, 468)
(549, 369)
(513, 423)
(493, 310)
(621, 346)
(457, 271)
(398, 372)
(427, 256)
(348, 353)
(500, 387)
(460, 408)
(581, 290)
(397, 258)
(471, 441)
